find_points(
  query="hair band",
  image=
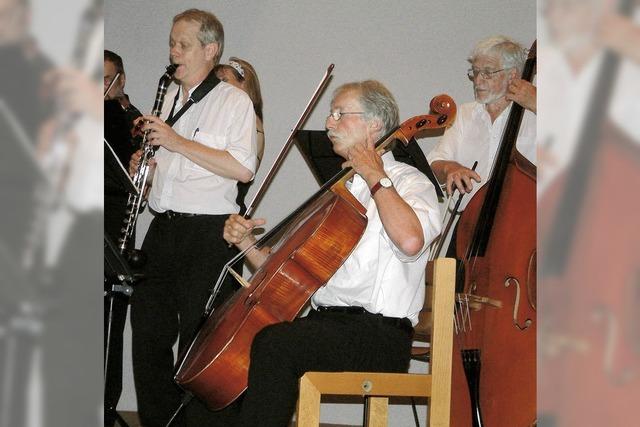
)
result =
(237, 67)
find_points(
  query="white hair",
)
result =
(511, 53)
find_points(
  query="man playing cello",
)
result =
(363, 318)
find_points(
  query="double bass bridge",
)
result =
(467, 302)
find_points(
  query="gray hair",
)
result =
(376, 100)
(511, 53)
(211, 30)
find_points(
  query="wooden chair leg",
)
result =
(377, 412)
(308, 413)
(439, 408)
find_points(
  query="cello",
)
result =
(494, 348)
(313, 242)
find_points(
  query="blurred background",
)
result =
(588, 168)
(51, 220)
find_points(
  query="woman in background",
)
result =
(241, 74)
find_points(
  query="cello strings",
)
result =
(215, 290)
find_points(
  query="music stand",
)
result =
(118, 275)
(318, 152)
(114, 168)
(118, 278)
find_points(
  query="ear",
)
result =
(375, 129)
(513, 74)
(211, 50)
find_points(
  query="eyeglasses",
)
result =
(336, 115)
(472, 73)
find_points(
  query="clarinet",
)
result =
(136, 202)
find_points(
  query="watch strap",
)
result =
(375, 188)
(378, 185)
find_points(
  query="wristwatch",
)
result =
(383, 183)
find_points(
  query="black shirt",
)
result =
(118, 123)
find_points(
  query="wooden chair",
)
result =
(378, 387)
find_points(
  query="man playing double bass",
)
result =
(362, 319)
(496, 65)
(496, 251)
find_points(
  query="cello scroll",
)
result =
(444, 113)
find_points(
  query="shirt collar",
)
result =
(179, 95)
(480, 112)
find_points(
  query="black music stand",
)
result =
(318, 152)
(118, 279)
(114, 169)
(118, 276)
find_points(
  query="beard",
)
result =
(488, 97)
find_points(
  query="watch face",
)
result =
(386, 182)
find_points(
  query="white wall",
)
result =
(417, 48)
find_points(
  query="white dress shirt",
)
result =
(473, 137)
(225, 120)
(377, 275)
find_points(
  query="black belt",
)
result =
(399, 322)
(174, 215)
(346, 309)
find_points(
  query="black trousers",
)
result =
(322, 341)
(185, 256)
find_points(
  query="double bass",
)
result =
(313, 243)
(494, 348)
